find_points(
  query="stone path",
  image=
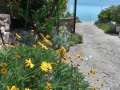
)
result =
(100, 51)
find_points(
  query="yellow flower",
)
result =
(12, 88)
(45, 66)
(93, 72)
(94, 88)
(52, 39)
(18, 43)
(9, 43)
(29, 63)
(42, 35)
(48, 42)
(18, 36)
(27, 89)
(18, 56)
(62, 52)
(17, 89)
(32, 34)
(32, 30)
(8, 88)
(34, 46)
(79, 57)
(42, 46)
(3, 65)
(71, 60)
(51, 72)
(102, 85)
(56, 46)
(63, 61)
(48, 86)
(3, 71)
(36, 38)
(27, 35)
(51, 49)
(47, 36)
(12, 46)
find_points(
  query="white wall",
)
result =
(68, 7)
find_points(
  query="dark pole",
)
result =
(75, 15)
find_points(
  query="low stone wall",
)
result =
(5, 26)
(68, 22)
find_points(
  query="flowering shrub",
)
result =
(38, 67)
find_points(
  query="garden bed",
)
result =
(38, 66)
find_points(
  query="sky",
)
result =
(96, 2)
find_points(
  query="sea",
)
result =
(87, 13)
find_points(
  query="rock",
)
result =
(6, 36)
(117, 28)
(2, 29)
(54, 31)
(7, 26)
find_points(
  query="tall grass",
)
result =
(107, 27)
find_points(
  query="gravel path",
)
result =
(100, 51)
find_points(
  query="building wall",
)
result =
(68, 7)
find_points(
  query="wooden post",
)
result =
(75, 15)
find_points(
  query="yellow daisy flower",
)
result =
(18, 56)
(32, 30)
(29, 63)
(3, 71)
(18, 36)
(47, 36)
(45, 66)
(48, 86)
(3, 65)
(34, 46)
(79, 57)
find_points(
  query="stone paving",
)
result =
(101, 52)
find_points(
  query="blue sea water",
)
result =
(87, 13)
(88, 10)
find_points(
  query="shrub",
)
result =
(106, 27)
(110, 14)
(59, 41)
(60, 76)
(75, 39)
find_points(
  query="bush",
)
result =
(110, 14)
(60, 77)
(75, 39)
(59, 41)
(106, 27)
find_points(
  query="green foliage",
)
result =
(75, 39)
(115, 15)
(110, 14)
(59, 41)
(105, 15)
(39, 11)
(45, 28)
(68, 15)
(106, 27)
(64, 77)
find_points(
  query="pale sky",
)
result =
(96, 2)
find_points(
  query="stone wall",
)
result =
(68, 22)
(5, 26)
